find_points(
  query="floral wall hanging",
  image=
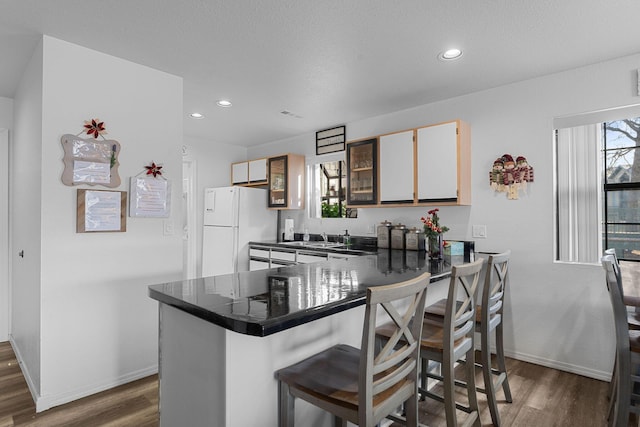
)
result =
(510, 176)
(89, 160)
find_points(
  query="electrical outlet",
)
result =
(479, 231)
(371, 229)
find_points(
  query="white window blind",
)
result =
(578, 191)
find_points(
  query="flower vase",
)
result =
(435, 246)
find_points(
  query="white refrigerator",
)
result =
(233, 216)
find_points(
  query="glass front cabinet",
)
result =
(286, 182)
(278, 182)
(362, 166)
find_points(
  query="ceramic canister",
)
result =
(414, 240)
(397, 236)
(384, 234)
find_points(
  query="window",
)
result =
(598, 189)
(333, 179)
(622, 187)
(578, 194)
(326, 185)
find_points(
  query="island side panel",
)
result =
(191, 370)
(253, 361)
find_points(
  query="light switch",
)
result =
(479, 231)
(167, 227)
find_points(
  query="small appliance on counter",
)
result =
(288, 230)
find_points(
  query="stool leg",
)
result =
(449, 396)
(423, 375)
(285, 405)
(411, 410)
(489, 388)
(501, 363)
(471, 386)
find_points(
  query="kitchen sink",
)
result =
(314, 244)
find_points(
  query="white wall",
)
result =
(25, 219)
(6, 126)
(557, 315)
(98, 326)
(212, 162)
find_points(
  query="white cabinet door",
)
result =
(240, 173)
(255, 265)
(437, 162)
(396, 168)
(310, 257)
(258, 170)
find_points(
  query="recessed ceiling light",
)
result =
(223, 103)
(196, 116)
(450, 54)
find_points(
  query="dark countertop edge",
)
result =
(258, 329)
(255, 328)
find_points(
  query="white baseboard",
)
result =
(27, 377)
(561, 366)
(46, 402)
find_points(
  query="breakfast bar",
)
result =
(222, 337)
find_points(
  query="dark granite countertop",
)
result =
(316, 246)
(264, 302)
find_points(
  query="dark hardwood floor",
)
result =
(542, 397)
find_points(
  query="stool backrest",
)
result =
(615, 265)
(495, 284)
(460, 312)
(394, 368)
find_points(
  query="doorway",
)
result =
(4, 235)
(188, 217)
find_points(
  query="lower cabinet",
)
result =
(264, 257)
(310, 256)
(256, 264)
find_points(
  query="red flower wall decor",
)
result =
(153, 169)
(94, 127)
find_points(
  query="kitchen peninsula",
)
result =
(223, 337)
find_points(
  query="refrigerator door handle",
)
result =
(235, 249)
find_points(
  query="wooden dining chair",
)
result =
(627, 350)
(488, 323)
(365, 385)
(632, 302)
(450, 339)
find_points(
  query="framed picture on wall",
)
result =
(101, 211)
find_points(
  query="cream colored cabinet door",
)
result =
(437, 155)
(239, 173)
(258, 170)
(396, 168)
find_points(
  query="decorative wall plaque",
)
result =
(331, 140)
(89, 161)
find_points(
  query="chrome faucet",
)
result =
(324, 236)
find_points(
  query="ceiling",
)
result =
(325, 62)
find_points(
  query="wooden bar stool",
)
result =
(365, 385)
(627, 350)
(489, 322)
(449, 339)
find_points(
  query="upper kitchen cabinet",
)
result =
(397, 168)
(286, 182)
(423, 166)
(443, 167)
(362, 172)
(239, 173)
(249, 173)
